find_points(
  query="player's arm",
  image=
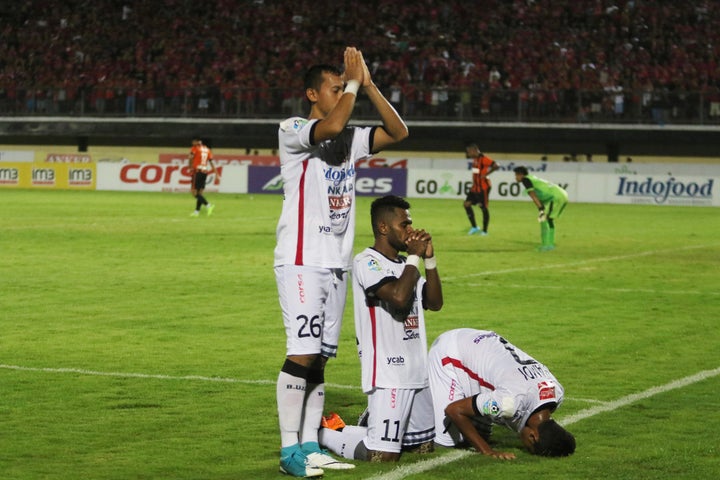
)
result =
(536, 200)
(401, 291)
(393, 129)
(461, 413)
(433, 297)
(493, 166)
(335, 121)
(212, 165)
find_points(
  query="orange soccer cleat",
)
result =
(332, 421)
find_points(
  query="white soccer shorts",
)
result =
(312, 301)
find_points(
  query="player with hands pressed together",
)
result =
(390, 296)
(314, 247)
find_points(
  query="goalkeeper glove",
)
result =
(541, 216)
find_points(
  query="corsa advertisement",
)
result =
(66, 176)
(167, 178)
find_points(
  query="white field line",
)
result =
(594, 289)
(425, 465)
(580, 262)
(199, 378)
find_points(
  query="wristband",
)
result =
(352, 87)
(413, 260)
(541, 209)
(430, 263)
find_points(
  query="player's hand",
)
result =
(354, 65)
(541, 216)
(500, 455)
(367, 80)
(417, 243)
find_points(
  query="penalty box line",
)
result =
(425, 465)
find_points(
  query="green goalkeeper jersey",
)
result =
(545, 191)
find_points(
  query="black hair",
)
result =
(313, 77)
(554, 440)
(383, 206)
(521, 170)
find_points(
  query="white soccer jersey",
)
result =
(510, 383)
(392, 344)
(317, 223)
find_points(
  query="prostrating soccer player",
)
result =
(200, 161)
(315, 244)
(389, 296)
(477, 379)
(479, 193)
(550, 199)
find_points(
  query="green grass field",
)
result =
(139, 343)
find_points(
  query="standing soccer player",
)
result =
(315, 241)
(479, 193)
(550, 199)
(390, 296)
(200, 161)
(478, 379)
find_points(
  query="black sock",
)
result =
(471, 216)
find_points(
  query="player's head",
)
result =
(472, 151)
(323, 86)
(520, 173)
(196, 140)
(549, 439)
(390, 217)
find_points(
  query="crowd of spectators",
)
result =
(451, 58)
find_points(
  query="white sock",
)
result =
(290, 401)
(343, 443)
(314, 404)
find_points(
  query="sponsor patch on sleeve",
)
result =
(546, 390)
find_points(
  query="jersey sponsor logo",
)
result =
(660, 191)
(483, 336)
(412, 327)
(546, 390)
(301, 288)
(451, 393)
(338, 203)
(397, 361)
(339, 175)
